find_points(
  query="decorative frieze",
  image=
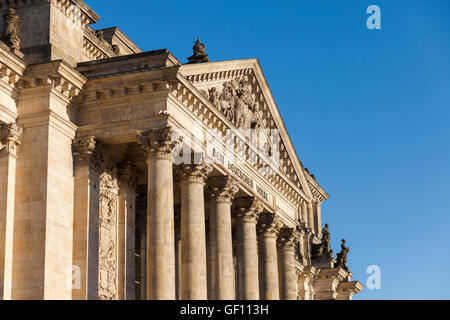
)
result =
(9, 138)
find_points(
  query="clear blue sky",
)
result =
(368, 112)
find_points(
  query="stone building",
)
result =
(131, 175)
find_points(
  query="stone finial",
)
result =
(269, 225)
(288, 238)
(222, 189)
(158, 143)
(10, 36)
(9, 138)
(197, 173)
(248, 209)
(200, 54)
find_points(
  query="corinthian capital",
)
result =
(269, 225)
(248, 209)
(222, 189)
(158, 143)
(289, 238)
(9, 138)
(197, 173)
(83, 149)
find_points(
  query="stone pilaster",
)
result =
(247, 211)
(269, 226)
(86, 219)
(221, 192)
(193, 241)
(9, 140)
(127, 227)
(287, 243)
(158, 146)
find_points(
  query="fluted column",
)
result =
(247, 210)
(268, 228)
(287, 244)
(9, 139)
(221, 191)
(158, 146)
(193, 242)
(127, 228)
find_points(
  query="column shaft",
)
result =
(193, 242)
(158, 146)
(268, 227)
(160, 231)
(221, 191)
(7, 190)
(247, 218)
(288, 279)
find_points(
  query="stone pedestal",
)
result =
(326, 283)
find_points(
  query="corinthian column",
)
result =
(158, 146)
(221, 191)
(287, 243)
(247, 210)
(193, 242)
(9, 139)
(268, 228)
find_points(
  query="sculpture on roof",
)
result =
(200, 54)
(342, 257)
(10, 35)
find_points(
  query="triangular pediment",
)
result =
(239, 90)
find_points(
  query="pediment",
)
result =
(239, 90)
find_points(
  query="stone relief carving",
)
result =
(10, 35)
(108, 260)
(236, 102)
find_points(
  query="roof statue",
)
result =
(200, 54)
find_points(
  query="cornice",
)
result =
(319, 194)
(57, 75)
